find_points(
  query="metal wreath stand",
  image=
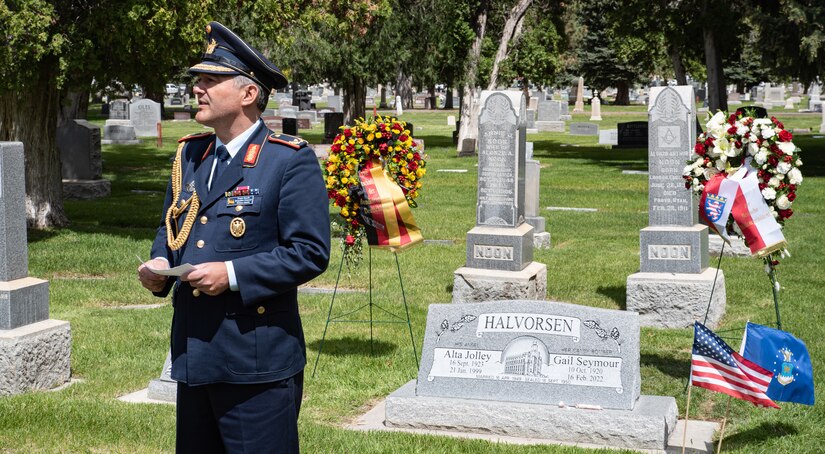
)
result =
(393, 318)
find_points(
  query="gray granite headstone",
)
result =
(500, 163)
(499, 262)
(14, 255)
(145, 116)
(34, 350)
(531, 119)
(674, 284)
(549, 111)
(584, 129)
(119, 109)
(671, 133)
(288, 111)
(335, 103)
(609, 137)
(164, 388)
(532, 173)
(119, 132)
(310, 115)
(79, 145)
(533, 352)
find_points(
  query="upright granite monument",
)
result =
(145, 116)
(79, 144)
(674, 284)
(532, 188)
(500, 247)
(579, 107)
(34, 349)
(535, 369)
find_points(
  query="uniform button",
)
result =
(261, 310)
(200, 244)
(196, 292)
(238, 208)
(204, 219)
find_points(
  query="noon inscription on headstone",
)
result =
(533, 352)
(500, 188)
(672, 127)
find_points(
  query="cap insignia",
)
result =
(211, 46)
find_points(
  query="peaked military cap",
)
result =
(227, 54)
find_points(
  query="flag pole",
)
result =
(687, 412)
(774, 287)
(724, 423)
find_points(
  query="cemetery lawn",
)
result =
(120, 331)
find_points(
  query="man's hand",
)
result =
(151, 281)
(210, 278)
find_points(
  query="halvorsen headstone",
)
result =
(34, 350)
(674, 284)
(145, 116)
(501, 241)
(534, 369)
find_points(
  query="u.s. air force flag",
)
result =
(788, 359)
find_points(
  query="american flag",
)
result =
(717, 367)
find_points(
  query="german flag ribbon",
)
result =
(385, 212)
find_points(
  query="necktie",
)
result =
(222, 156)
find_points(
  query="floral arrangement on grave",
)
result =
(746, 171)
(373, 175)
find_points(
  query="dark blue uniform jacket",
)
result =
(253, 335)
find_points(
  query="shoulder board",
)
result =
(194, 136)
(290, 141)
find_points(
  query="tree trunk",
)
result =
(678, 66)
(432, 97)
(403, 88)
(469, 121)
(355, 94)
(510, 33)
(717, 98)
(448, 97)
(73, 105)
(29, 115)
(525, 89)
(622, 93)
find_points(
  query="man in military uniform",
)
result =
(248, 209)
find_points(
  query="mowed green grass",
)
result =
(118, 346)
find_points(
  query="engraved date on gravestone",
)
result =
(526, 359)
(485, 252)
(668, 252)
